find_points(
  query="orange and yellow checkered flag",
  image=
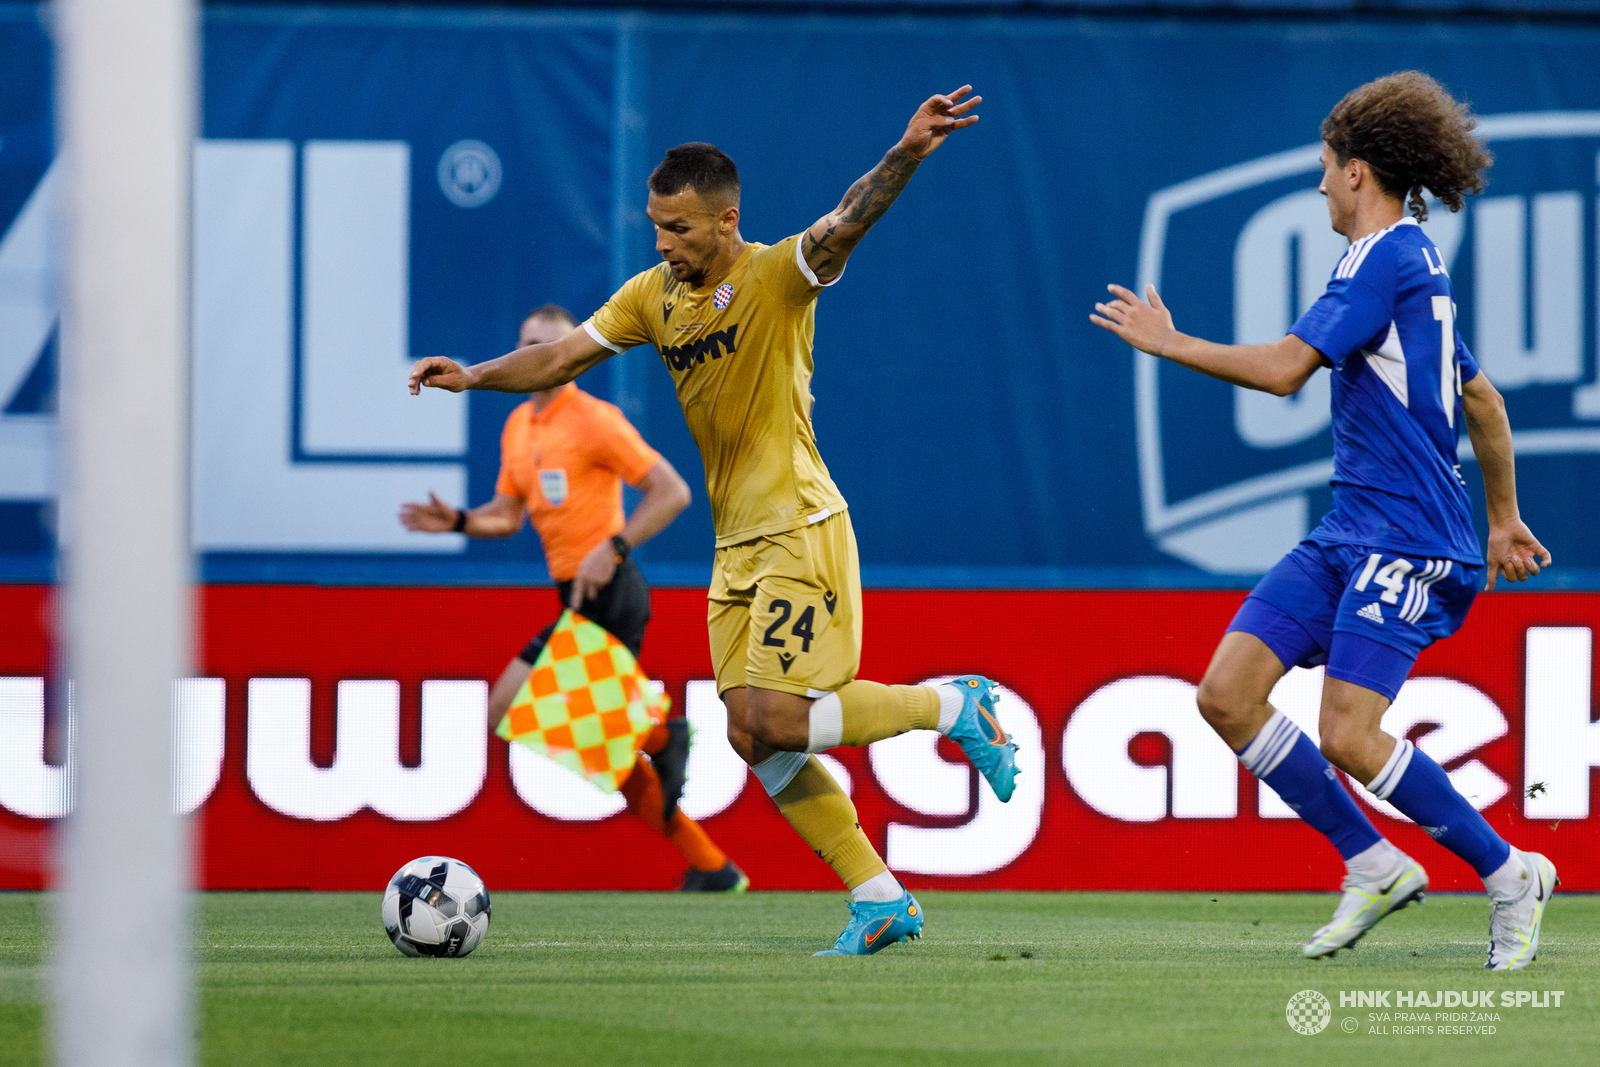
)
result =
(586, 704)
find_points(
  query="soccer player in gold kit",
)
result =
(732, 321)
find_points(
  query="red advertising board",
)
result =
(342, 731)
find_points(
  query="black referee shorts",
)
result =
(622, 606)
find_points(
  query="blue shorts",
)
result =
(1365, 612)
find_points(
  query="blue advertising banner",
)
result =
(372, 186)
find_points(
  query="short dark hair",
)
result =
(550, 311)
(1413, 135)
(705, 168)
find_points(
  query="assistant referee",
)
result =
(563, 458)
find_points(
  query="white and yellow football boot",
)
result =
(1514, 924)
(1365, 903)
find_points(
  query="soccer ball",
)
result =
(436, 906)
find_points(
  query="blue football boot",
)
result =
(981, 736)
(877, 925)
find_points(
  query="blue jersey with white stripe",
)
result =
(1386, 324)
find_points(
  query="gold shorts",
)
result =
(785, 610)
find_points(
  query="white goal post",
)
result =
(126, 72)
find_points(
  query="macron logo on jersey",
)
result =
(1371, 613)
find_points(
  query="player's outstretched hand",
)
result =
(1145, 326)
(594, 573)
(438, 372)
(1514, 552)
(934, 120)
(433, 517)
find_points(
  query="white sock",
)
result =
(879, 889)
(1371, 864)
(950, 702)
(826, 724)
(1510, 881)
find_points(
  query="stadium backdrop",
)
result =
(1032, 500)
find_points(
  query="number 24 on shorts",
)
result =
(802, 627)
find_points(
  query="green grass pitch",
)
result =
(1002, 978)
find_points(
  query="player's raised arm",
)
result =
(1513, 550)
(1280, 368)
(831, 239)
(526, 370)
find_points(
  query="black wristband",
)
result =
(460, 525)
(620, 546)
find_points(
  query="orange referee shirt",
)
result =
(568, 462)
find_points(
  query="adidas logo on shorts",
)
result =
(1372, 613)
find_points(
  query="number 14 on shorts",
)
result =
(1402, 576)
(1391, 576)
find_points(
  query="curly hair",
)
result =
(1413, 135)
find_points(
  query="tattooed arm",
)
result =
(831, 239)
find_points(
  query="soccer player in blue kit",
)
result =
(1395, 564)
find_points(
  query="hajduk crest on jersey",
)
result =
(722, 297)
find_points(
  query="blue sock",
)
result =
(1419, 787)
(1286, 760)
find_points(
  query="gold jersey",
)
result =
(739, 354)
